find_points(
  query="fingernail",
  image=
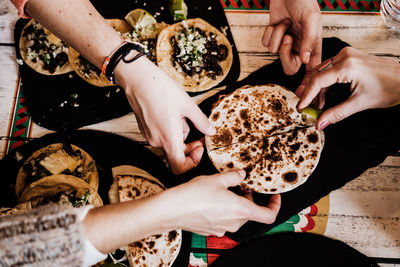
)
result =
(307, 56)
(242, 173)
(286, 40)
(324, 124)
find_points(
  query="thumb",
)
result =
(310, 35)
(267, 214)
(231, 178)
(200, 121)
(340, 112)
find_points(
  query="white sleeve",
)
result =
(91, 254)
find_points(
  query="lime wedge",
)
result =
(178, 9)
(312, 111)
(141, 20)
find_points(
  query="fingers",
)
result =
(316, 82)
(273, 35)
(267, 35)
(339, 112)
(200, 121)
(291, 62)
(231, 178)
(267, 214)
(316, 55)
(311, 36)
(184, 157)
(185, 129)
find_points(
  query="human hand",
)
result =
(375, 83)
(161, 107)
(303, 43)
(205, 205)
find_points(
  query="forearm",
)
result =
(79, 24)
(116, 225)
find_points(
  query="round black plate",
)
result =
(108, 150)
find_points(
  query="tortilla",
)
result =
(260, 131)
(19, 209)
(35, 37)
(147, 37)
(86, 70)
(61, 189)
(156, 250)
(57, 159)
(209, 66)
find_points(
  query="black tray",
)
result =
(359, 142)
(108, 151)
(293, 249)
(44, 94)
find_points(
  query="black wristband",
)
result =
(120, 54)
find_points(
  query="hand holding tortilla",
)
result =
(302, 19)
(375, 83)
(260, 131)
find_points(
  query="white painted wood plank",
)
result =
(365, 32)
(8, 17)
(8, 78)
(365, 213)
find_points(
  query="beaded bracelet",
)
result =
(119, 54)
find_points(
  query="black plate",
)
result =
(108, 150)
(357, 143)
(44, 94)
(293, 249)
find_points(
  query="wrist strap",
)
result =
(119, 54)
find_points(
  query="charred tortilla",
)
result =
(86, 70)
(260, 131)
(195, 54)
(57, 159)
(43, 51)
(157, 250)
(61, 189)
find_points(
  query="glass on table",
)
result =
(390, 12)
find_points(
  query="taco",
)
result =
(43, 51)
(61, 189)
(18, 209)
(147, 36)
(195, 54)
(157, 250)
(86, 70)
(57, 159)
(260, 131)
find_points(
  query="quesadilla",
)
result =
(61, 189)
(195, 54)
(57, 159)
(86, 70)
(43, 51)
(158, 250)
(260, 131)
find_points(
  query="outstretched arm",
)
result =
(204, 206)
(161, 105)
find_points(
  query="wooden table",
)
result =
(365, 213)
